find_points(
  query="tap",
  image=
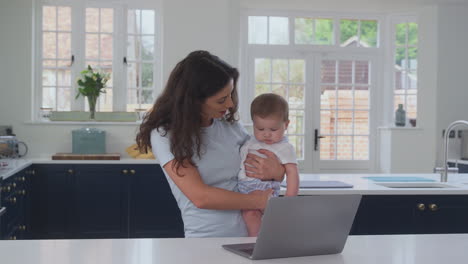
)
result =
(446, 169)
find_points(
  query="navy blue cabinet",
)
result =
(462, 168)
(103, 201)
(15, 222)
(153, 209)
(411, 214)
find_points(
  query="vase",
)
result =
(92, 106)
(400, 116)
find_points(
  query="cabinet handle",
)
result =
(125, 171)
(33, 172)
(433, 207)
(70, 171)
(23, 179)
(13, 238)
(22, 227)
(132, 171)
(13, 200)
(421, 207)
(14, 185)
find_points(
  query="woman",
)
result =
(193, 132)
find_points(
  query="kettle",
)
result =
(9, 147)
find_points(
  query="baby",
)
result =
(269, 114)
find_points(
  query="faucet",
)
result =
(446, 169)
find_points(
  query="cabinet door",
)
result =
(153, 210)
(385, 214)
(100, 199)
(51, 199)
(443, 214)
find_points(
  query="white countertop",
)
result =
(388, 249)
(360, 185)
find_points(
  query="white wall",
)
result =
(214, 25)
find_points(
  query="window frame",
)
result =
(78, 9)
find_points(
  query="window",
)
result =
(405, 68)
(121, 39)
(324, 65)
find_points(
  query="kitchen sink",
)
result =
(437, 185)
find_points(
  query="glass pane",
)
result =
(258, 29)
(280, 71)
(297, 71)
(296, 97)
(303, 30)
(262, 70)
(345, 97)
(361, 98)
(324, 31)
(400, 80)
(64, 47)
(92, 19)
(345, 70)
(132, 75)
(92, 46)
(147, 97)
(327, 148)
(361, 148)
(361, 72)
(261, 89)
(345, 123)
(400, 57)
(63, 99)
(327, 122)
(63, 63)
(132, 97)
(296, 124)
(344, 148)
(106, 47)
(298, 143)
(279, 89)
(105, 101)
(368, 33)
(401, 34)
(398, 99)
(328, 71)
(147, 52)
(64, 78)
(361, 122)
(411, 107)
(279, 30)
(49, 45)
(49, 63)
(107, 68)
(413, 58)
(413, 80)
(133, 21)
(48, 97)
(107, 20)
(49, 78)
(133, 44)
(147, 75)
(64, 18)
(328, 97)
(49, 18)
(147, 22)
(412, 34)
(348, 30)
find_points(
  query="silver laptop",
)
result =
(302, 226)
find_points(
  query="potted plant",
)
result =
(90, 85)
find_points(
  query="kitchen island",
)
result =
(390, 249)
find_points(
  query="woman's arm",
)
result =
(269, 168)
(292, 179)
(207, 197)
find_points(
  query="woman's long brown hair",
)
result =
(177, 110)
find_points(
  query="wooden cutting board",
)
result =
(71, 156)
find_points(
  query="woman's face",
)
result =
(217, 105)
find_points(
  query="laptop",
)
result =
(302, 226)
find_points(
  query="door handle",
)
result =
(2, 211)
(316, 139)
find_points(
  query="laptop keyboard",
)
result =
(247, 250)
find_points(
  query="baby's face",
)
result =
(269, 130)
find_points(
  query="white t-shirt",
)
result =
(283, 150)
(218, 167)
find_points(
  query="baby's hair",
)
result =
(269, 104)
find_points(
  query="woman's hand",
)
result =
(265, 169)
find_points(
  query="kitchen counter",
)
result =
(388, 249)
